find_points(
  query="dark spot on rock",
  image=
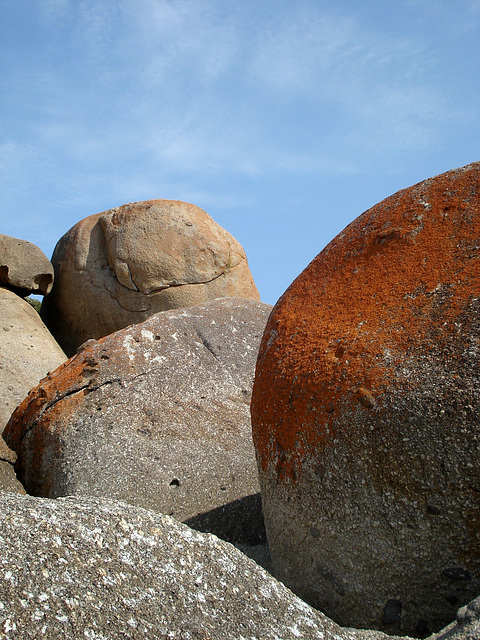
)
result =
(91, 361)
(175, 482)
(392, 611)
(435, 511)
(86, 344)
(320, 470)
(422, 628)
(457, 573)
(314, 532)
(339, 351)
(452, 598)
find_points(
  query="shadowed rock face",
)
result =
(365, 414)
(121, 266)
(8, 479)
(156, 414)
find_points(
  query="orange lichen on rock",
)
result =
(365, 414)
(393, 282)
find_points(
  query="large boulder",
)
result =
(27, 351)
(365, 414)
(24, 267)
(156, 414)
(102, 569)
(121, 266)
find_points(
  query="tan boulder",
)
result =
(8, 479)
(24, 267)
(118, 267)
(365, 414)
(27, 351)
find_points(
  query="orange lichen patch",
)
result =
(69, 377)
(390, 287)
(93, 365)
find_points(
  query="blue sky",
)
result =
(284, 120)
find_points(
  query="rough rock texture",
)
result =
(156, 414)
(121, 266)
(365, 414)
(8, 479)
(24, 267)
(27, 351)
(466, 625)
(101, 569)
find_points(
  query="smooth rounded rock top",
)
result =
(365, 414)
(24, 267)
(121, 266)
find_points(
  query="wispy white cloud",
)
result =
(380, 86)
(193, 86)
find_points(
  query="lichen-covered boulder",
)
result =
(27, 352)
(119, 267)
(157, 415)
(24, 267)
(365, 414)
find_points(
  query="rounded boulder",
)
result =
(157, 415)
(365, 414)
(27, 351)
(24, 267)
(121, 266)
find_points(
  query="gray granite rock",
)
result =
(27, 351)
(101, 569)
(157, 415)
(24, 267)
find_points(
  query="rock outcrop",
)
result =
(27, 351)
(365, 414)
(102, 569)
(24, 267)
(121, 266)
(8, 479)
(157, 415)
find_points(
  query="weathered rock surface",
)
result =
(24, 267)
(365, 414)
(8, 479)
(121, 266)
(103, 569)
(27, 351)
(466, 626)
(157, 415)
